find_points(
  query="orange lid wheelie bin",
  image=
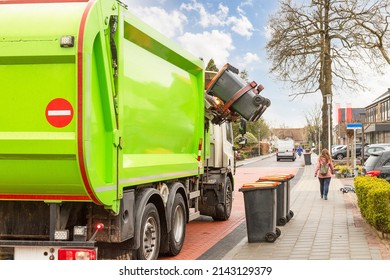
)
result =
(283, 193)
(260, 211)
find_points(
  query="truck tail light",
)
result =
(373, 173)
(76, 254)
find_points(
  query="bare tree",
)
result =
(369, 23)
(317, 47)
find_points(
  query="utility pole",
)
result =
(259, 139)
(329, 103)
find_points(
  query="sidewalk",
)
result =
(320, 229)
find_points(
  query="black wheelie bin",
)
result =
(283, 211)
(260, 211)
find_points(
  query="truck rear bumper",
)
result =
(37, 250)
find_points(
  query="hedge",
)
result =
(373, 196)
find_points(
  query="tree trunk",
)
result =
(326, 75)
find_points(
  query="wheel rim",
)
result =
(178, 223)
(150, 238)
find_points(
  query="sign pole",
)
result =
(354, 154)
(354, 126)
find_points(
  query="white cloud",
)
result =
(215, 44)
(240, 25)
(170, 24)
(247, 3)
(248, 61)
(251, 58)
(267, 32)
(207, 19)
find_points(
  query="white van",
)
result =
(285, 149)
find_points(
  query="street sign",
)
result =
(59, 112)
(354, 126)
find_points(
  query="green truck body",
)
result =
(102, 122)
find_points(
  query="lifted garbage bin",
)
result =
(283, 211)
(260, 211)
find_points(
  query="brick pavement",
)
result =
(330, 229)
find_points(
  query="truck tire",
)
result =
(224, 210)
(178, 222)
(150, 234)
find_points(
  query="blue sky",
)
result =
(235, 32)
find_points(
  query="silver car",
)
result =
(369, 149)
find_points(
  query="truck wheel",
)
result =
(178, 221)
(223, 211)
(150, 234)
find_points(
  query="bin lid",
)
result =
(276, 177)
(260, 185)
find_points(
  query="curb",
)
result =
(252, 160)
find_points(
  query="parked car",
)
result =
(369, 149)
(337, 147)
(342, 152)
(378, 165)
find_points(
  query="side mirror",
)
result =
(242, 127)
(242, 140)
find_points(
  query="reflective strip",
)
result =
(159, 176)
(105, 189)
(200, 150)
(200, 164)
(10, 135)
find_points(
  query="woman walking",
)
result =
(324, 171)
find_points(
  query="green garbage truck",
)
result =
(112, 137)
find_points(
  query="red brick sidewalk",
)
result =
(204, 233)
(373, 236)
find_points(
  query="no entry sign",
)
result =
(59, 112)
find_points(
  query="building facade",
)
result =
(377, 120)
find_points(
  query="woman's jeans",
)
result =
(324, 186)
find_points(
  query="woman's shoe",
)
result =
(325, 197)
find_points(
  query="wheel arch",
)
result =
(174, 188)
(230, 175)
(143, 197)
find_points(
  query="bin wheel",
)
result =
(270, 237)
(282, 221)
(278, 232)
(291, 213)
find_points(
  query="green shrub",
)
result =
(373, 196)
(378, 208)
(343, 169)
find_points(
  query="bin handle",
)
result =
(237, 95)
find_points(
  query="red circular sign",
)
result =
(59, 112)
